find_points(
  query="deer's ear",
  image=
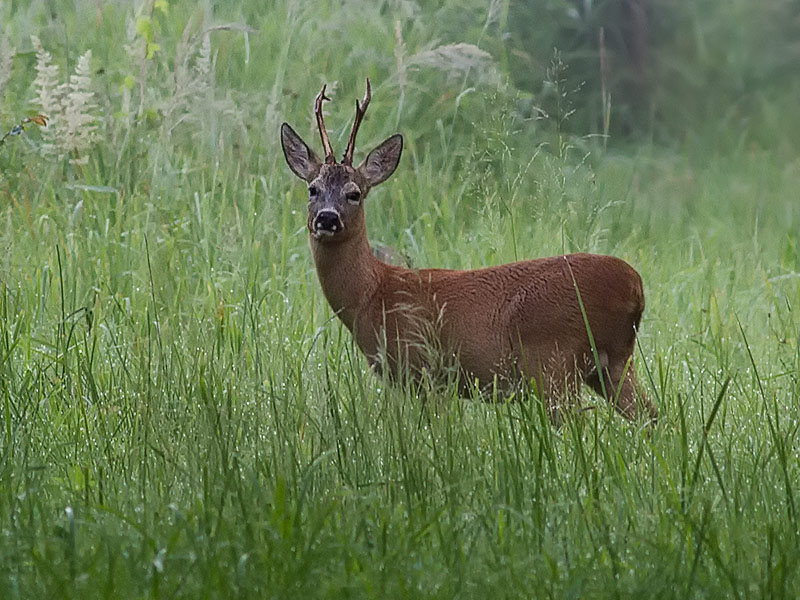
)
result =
(382, 161)
(300, 158)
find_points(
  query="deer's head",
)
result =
(336, 190)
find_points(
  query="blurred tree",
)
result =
(663, 68)
(606, 45)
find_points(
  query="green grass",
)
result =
(183, 417)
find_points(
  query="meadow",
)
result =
(181, 414)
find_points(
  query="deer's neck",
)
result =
(349, 274)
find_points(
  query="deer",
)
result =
(555, 322)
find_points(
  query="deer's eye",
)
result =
(313, 191)
(353, 197)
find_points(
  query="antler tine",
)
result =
(323, 133)
(361, 109)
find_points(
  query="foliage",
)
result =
(182, 416)
(668, 68)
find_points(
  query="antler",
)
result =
(361, 109)
(323, 133)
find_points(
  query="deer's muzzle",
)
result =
(328, 222)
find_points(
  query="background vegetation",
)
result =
(181, 416)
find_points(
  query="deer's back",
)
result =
(488, 315)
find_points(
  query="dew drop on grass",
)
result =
(158, 561)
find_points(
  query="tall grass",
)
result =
(182, 415)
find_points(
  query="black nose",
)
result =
(328, 220)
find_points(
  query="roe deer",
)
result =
(525, 320)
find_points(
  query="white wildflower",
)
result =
(49, 95)
(70, 106)
(6, 62)
(204, 66)
(459, 59)
(80, 124)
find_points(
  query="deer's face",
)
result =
(335, 202)
(336, 191)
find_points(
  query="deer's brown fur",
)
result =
(524, 320)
